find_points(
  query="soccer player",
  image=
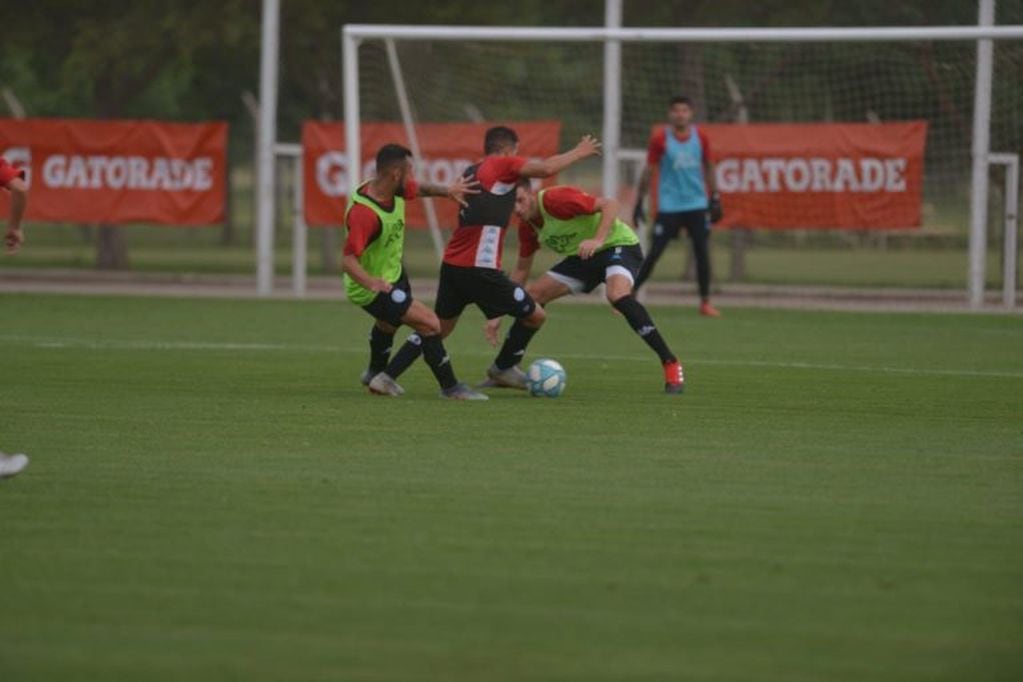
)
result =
(598, 248)
(13, 180)
(374, 276)
(471, 269)
(681, 153)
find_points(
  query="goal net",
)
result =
(799, 85)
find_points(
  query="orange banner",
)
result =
(446, 148)
(119, 171)
(819, 176)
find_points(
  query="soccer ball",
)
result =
(546, 378)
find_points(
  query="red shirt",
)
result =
(9, 172)
(563, 203)
(481, 245)
(659, 142)
(364, 225)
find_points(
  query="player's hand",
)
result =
(714, 209)
(492, 331)
(638, 213)
(588, 247)
(379, 286)
(588, 146)
(462, 186)
(13, 239)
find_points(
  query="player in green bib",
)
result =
(598, 248)
(375, 279)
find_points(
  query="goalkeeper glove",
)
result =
(714, 209)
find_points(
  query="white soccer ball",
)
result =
(546, 378)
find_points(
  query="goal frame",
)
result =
(352, 35)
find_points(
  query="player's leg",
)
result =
(449, 306)
(698, 226)
(387, 309)
(543, 290)
(381, 339)
(428, 327)
(665, 229)
(546, 288)
(619, 287)
(498, 296)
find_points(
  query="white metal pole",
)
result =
(413, 140)
(1010, 263)
(267, 138)
(981, 147)
(825, 34)
(299, 232)
(612, 99)
(353, 142)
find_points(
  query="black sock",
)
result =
(437, 358)
(639, 319)
(406, 355)
(380, 343)
(514, 347)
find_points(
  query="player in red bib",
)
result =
(598, 248)
(13, 180)
(471, 272)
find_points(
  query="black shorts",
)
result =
(583, 276)
(490, 290)
(392, 306)
(670, 224)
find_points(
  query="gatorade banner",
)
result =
(118, 172)
(446, 149)
(820, 176)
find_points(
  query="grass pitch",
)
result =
(213, 496)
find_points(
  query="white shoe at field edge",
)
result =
(11, 465)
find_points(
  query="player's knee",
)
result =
(446, 327)
(429, 327)
(536, 318)
(386, 327)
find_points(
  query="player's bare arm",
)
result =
(608, 209)
(588, 146)
(14, 237)
(709, 176)
(456, 191)
(523, 266)
(714, 205)
(353, 268)
(638, 214)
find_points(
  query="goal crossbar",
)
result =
(822, 34)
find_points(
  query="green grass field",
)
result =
(213, 497)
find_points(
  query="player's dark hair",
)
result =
(391, 155)
(680, 99)
(497, 138)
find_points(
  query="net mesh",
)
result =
(733, 83)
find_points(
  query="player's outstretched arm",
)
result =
(456, 191)
(552, 165)
(14, 237)
(608, 209)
